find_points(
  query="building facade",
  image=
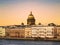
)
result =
(17, 32)
(58, 32)
(2, 32)
(43, 31)
(51, 32)
(28, 32)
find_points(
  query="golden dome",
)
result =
(31, 19)
(30, 16)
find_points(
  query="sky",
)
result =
(14, 12)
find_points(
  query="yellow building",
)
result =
(16, 32)
(28, 32)
(2, 32)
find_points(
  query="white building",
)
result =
(28, 32)
(58, 32)
(38, 31)
(50, 32)
(2, 32)
(43, 31)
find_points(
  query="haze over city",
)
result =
(14, 12)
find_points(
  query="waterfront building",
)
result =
(2, 32)
(31, 30)
(58, 32)
(43, 31)
(38, 31)
(51, 32)
(31, 19)
(35, 31)
(15, 32)
(28, 31)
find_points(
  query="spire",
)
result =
(31, 16)
(31, 12)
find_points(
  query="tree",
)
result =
(51, 24)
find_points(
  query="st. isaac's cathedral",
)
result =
(31, 19)
(31, 30)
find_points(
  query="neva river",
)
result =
(18, 42)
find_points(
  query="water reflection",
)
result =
(18, 42)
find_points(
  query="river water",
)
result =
(19, 42)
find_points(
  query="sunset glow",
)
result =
(14, 12)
